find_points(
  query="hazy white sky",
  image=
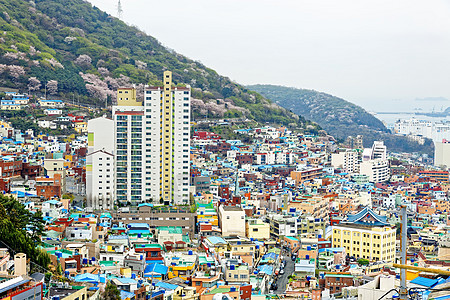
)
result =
(368, 52)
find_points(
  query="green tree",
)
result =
(20, 230)
(111, 292)
(37, 226)
(363, 262)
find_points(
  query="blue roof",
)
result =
(166, 286)
(267, 269)
(156, 268)
(424, 281)
(87, 277)
(125, 280)
(339, 249)
(52, 201)
(131, 225)
(137, 231)
(216, 240)
(270, 255)
(367, 217)
(124, 295)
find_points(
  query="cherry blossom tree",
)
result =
(10, 56)
(84, 61)
(96, 87)
(16, 71)
(103, 71)
(52, 87)
(34, 84)
(54, 63)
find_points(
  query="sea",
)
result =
(389, 119)
(393, 110)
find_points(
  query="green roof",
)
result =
(149, 234)
(339, 275)
(219, 290)
(206, 205)
(171, 229)
(185, 239)
(106, 215)
(52, 234)
(65, 253)
(148, 246)
(107, 263)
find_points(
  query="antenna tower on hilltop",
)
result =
(119, 10)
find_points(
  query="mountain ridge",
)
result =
(91, 53)
(338, 117)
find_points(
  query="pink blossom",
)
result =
(103, 71)
(16, 71)
(32, 50)
(52, 86)
(11, 56)
(33, 84)
(54, 63)
(96, 87)
(83, 61)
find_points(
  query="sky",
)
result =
(380, 54)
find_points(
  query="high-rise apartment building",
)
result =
(347, 160)
(374, 163)
(152, 144)
(442, 153)
(100, 164)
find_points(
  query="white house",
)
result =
(232, 220)
(53, 112)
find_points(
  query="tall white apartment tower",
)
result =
(100, 164)
(152, 144)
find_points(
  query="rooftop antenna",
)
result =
(119, 10)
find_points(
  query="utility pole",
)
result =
(119, 10)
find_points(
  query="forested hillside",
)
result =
(338, 117)
(72, 49)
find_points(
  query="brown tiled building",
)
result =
(49, 187)
(336, 281)
(159, 218)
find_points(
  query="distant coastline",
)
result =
(389, 118)
(429, 114)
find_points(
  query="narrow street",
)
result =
(283, 279)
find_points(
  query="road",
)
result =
(283, 279)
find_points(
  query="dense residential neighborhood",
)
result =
(151, 204)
